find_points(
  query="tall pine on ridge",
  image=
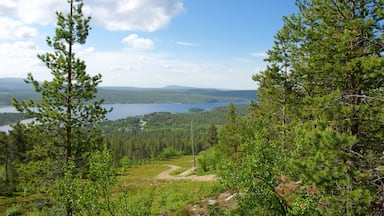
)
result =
(67, 114)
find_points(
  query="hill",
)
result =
(15, 87)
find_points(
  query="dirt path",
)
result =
(165, 175)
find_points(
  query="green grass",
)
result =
(179, 171)
(140, 177)
(164, 196)
(139, 193)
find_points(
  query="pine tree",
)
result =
(321, 96)
(67, 115)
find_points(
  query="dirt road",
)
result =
(165, 175)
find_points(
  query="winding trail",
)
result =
(165, 175)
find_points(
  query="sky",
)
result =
(150, 43)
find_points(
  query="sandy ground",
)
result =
(165, 175)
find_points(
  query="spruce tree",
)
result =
(211, 137)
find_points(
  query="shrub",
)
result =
(169, 152)
(14, 210)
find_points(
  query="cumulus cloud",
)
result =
(19, 58)
(136, 42)
(135, 15)
(32, 12)
(132, 15)
(13, 29)
(18, 49)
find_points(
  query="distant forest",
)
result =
(15, 87)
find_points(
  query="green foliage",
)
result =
(331, 169)
(208, 160)
(195, 110)
(223, 143)
(14, 211)
(64, 135)
(8, 153)
(95, 193)
(169, 152)
(314, 125)
(229, 140)
(137, 141)
(305, 204)
(255, 172)
(211, 137)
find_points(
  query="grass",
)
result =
(140, 192)
(179, 171)
(140, 177)
(165, 196)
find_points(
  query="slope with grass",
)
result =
(145, 193)
(166, 196)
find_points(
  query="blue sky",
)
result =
(151, 43)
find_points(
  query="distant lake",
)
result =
(128, 110)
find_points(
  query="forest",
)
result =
(312, 144)
(16, 88)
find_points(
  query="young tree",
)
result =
(68, 112)
(211, 137)
(228, 134)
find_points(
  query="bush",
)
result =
(14, 210)
(209, 160)
(169, 152)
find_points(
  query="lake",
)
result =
(127, 110)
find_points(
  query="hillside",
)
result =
(15, 87)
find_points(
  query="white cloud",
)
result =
(135, 15)
(18, 49)
(259, 54)
(127, 69)
(136, 42)
(183, 43)
(20, 58)
(132, 15)
(130, 67)
(32, 12)
(13, 29)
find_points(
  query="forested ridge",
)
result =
(312, 144)
(16, 88)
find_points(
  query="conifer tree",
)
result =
(211, 137)
(228, 134)
(322, 96)
(67, 115)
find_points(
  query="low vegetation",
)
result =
(138, 192)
